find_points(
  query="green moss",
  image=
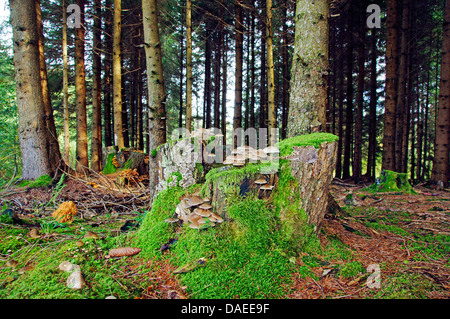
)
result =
(109, 166)
(390, 181)
(314, 139)
(352, 269)
(42, 181)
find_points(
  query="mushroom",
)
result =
(171, 220)
(228, 161)
(239, 163)
(260, 181)
(215, 218)
(202, 212)
(194, 225)
(267, 187)
(271, 150)
(195, 201)
(194, 218)
(205, 206)
(206, 200)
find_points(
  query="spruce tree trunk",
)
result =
(389, 159)
(349, 109)
(441, 167)
(189, 77)
(371, 157)
(207, 91)
(30, 103)
(53, 145)
(96, 143)
(107, 77)
(117, 76)
(270, 75)
(80, 93)
(308, 90)
(217, 84)
(239, 37)
(224, 89)
(65, 87)
(156, 91)
(357, 164)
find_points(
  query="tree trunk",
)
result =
(30, 103)
(263, 74)
(441, 168)
(96, 144)
(308, 94)
(371, 158)
(252, 122)
(207, 91)
(107, 75)
(389, 160)
(155, 83)
(189, 77)
(80, 93)
(53, 145)
(270, 76)
(239, 29)
(286, 74)
(65, 87)
(117, 76)
(349, 110)
(401, 91)
(217, 84)
(224, 89)
(357, 164)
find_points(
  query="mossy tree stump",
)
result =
(390, 181)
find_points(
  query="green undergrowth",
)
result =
(45, 280)
(243, 257)
(109, 166)
(390, 181)
(42, 181)
(314, 139)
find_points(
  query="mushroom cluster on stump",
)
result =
(245, 154)
(196, 212)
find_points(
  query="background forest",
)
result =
(357, 77)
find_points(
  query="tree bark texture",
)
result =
(117, 75)
(80, 93)
(32, 128)
(308, 94)
(441, 168)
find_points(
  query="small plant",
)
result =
(50, 226)
(58, 188)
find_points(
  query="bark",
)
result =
(53, 145)
(189, 77)
(349, 108)
(155, 83)
(340, 124)
(239, 37)
(357, 164)
(65, 87)
(30, 103)
(263, 73)
(286, 74)
(107, 75)
(371, 158)
(252, 68)
(441, 169)
(308, 91)
(117, 76)
(96, 145)
(80, 93)
(388, 162)
(270, 75)
(180, 119)
(207, 91)
(401, 108)
(224, 89)
(217, 83)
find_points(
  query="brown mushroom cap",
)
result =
(205, 206)
(194, 225)
(239, 163)
(202, 212)
(195, 201)
(201, 221)
(194, 218)
(206, 200)
(217, 218)
(260, 181)
(267, 187)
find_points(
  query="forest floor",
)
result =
(406, 238)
